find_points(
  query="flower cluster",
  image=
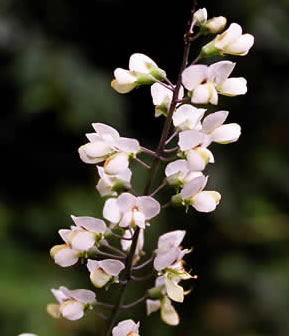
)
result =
(126, 213)
(168, 263)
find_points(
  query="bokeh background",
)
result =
(56, 64)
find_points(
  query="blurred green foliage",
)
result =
(56, 63)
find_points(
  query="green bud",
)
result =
(210, 50)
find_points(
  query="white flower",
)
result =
(106, 142)
(194, 144)
(64, 255)
(178, 173)
(71, 302)
(168, 251)
(126, 328)
(27, 334)
(233, 42)
(78, 240)
(108, 184)
(217, 132)
(200, 17)
(101, 272)
(205, 82)
(142, 70)
(86, 233)
(162, 98)
(203, 201)
(128, 210)
(188, 117)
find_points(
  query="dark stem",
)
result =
(166, 129)
(143, 278)
(160, 187)
(109, 255)
(114, 249)
(134, 303)
(144, 264)
(159, 151)
(171, 150)
(142, 163)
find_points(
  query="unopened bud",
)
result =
(200, 17)
(216, 25)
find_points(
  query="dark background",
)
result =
(56, 63)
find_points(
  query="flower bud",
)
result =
(200, 17)
(216, 24)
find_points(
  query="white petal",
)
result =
(124, 328)
(200, 16)
(93, 137)
(175, 292)
(116, 163)
(220, 71)
(104, 130)
(166, 258)
(194, 75)
(127, 145)
(229, 36)
(126, 202)
(171, 239)
(124, 175)
(126, 219)
(66, 257)
(72, 310)
(139, 219)
(111, 266)
(122, 88)
(187, 117)
(126, 244)
(189, 139)
(202, 94)
(64, 234)
(226, 133)
(241, 46)
(214, 96)
(233, 87)
(152, 306)
(124, 76)
(90, 223)
(99, 278)
(176, 167)
(195, 161)
(214, 120)
(206, 201)
(193, 187)
(168, 312)
(104, 187)
(111, 210)
(59, 295)
(27, 334)
(82, 240)
(82, 295)
(96, 149)
(216, 24)
(148, 206)
(92, 265)
(160, 93)
(141, 63)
